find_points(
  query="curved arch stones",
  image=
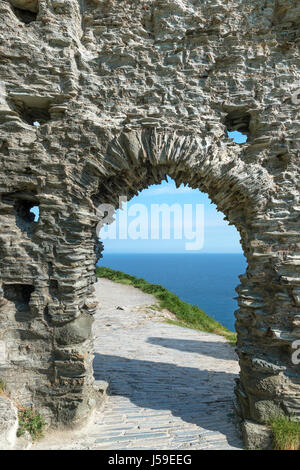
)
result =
(126, 92)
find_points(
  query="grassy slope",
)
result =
(286, 434)
(188, 315)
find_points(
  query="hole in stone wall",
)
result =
(32, 109)
(33, 116)
(27, 212)
(238, 126)
(20, 295)
(24, 210)
(24, 15)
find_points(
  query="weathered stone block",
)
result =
(263, 410)
(74, 332)
(256, 436)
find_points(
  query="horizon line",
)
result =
(173, 253)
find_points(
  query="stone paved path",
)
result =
(170, 387)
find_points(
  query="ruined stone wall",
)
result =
(125, 92)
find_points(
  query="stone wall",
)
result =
(126, 92)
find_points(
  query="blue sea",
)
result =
(206, 280)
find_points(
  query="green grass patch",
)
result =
(286, 434)
(31, 421)
(188, 315)
(2, 386)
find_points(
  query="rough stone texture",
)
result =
(8, 424)
(256, 436)
(126, 92)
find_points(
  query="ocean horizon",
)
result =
(207, 280)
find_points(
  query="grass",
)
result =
(31, 421)
(286, 433)
(188, 315)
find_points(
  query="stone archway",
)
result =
(125, 93)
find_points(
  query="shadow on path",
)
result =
(200, 397)
(207, 348)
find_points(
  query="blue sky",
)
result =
(219, 237)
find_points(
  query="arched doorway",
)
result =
(118, 117)
(157, 369)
